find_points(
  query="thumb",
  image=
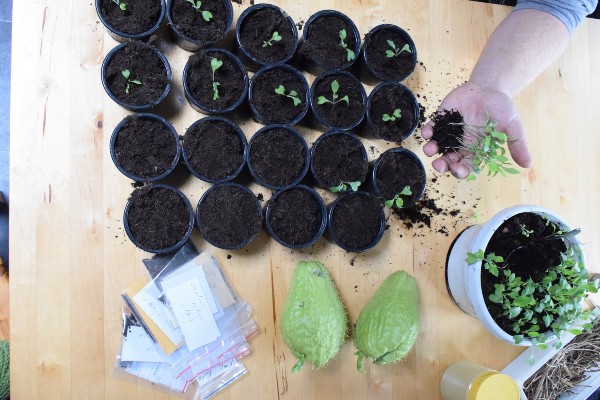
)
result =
(517, 143)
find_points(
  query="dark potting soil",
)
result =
(138, 17)
(257, 29)
(229, 216)
(145, 147)
(385, 101)
(200, 81)
(213, 149)
(191, 23)
(277, 157)
(143, 65)
(393, 68)
(527, 257)
(272, 107)
(339, 158)
(158, 217)
(323, 42)
(397, 170)
(340, 114)
(448, 130)
(356, 220)
(295, 216)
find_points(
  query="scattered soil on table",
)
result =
(158, 217)
(323, 43)
(340, 115)
(447, 130)
(229, 216)
(145, 147)
(356, 220)
(277, 157)
(138, 17)
(339, 158)
(191, 23)
(385, 101)
(397, 170)
(295, 216)
(272, 107)
(214, 149)
(393, 68)
(144, 65)
(257, 29)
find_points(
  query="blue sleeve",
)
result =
(570, 12)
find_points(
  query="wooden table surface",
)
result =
(71, 258)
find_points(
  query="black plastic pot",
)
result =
(121, 36)
(251, 59)
(373, 126)
(261, 112)
(114, 138)
(321, 225)
(207, 109)
(176, 246)
(281, 158)
(314, 65)
(129, 106)
(226, 227)
(372, 71)
(189, 44)
(243, 141)
(333, 237)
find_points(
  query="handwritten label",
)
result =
(138, 346)
(148, 300)
(189, 271)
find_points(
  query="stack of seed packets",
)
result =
(186, 328)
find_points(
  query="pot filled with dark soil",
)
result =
(337, 101)
(199, 24)
(296, 217)
(229, 216)
(264, 35)
(356, 222)
(145, 147)
(215, 81)
(214, 149)
(136, 76)
(393, 172)
(388, 54)
(158, 218)
(338, 161)
(330, 40)
(279, 94)
(392, 113)
(130, 19)
(278, 157)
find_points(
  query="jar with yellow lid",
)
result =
(464, 380)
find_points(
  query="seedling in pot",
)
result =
(524, 231)
(397, 114)
(215, 64)
(276, 37)
(350, 56)
(121, 5)
(207, 15)
(397, 200)
(280, 90)
(335, 86)
(343, 186)
(127, 74)
(395, 51)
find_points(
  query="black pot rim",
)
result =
(133, 107)
(325, 135)
(242, 137)
(200, 43)
(334, 237)
(301, 77)
(210, 190)
(177, 245)
(130, 36)
(202, 107)
(171, 129)
(294, 132)
(319, 232)
(313, 105)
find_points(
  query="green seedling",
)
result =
(280, 90)
(207, 15)
(215, 64)
(127, 74)
(397, 114)
(350, 54)
(395, 51)
(121, 5)
(335, 98)
(524, 231)
(397, 200)
(343, 186)
(276, 37)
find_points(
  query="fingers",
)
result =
(427, 131)
(430, 148)
(517, 144)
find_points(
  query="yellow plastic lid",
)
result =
(493, 386)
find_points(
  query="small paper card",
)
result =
(189, 271)
(138, 346)
(148, 300)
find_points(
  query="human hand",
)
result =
(473, 102)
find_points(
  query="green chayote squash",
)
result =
(388, 325)
(313, 321)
